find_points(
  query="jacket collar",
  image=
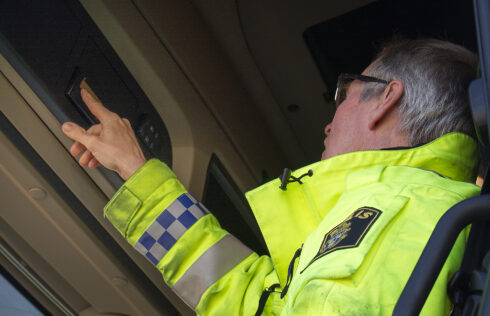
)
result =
(454, 155)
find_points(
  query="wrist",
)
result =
(129, 169)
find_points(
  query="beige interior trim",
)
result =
(46, 271)
(50, 227)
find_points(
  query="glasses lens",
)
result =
(343, 84)
(344, 81)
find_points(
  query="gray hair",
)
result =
(436, 75)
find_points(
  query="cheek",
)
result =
(345, 126)
(340, 122)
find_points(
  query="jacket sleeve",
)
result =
(211, 270)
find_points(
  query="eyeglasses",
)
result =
(344, 81)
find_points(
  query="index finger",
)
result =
(95, 107)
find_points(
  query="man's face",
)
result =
(345, 132)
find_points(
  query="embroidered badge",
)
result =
(349, 233)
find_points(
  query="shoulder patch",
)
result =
(349, 233)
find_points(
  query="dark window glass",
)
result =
(228, 204)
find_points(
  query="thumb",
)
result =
(76, 133)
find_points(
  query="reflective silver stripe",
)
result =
(214, 263)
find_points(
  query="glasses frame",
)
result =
(343, 76)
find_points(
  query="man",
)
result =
(397, 155)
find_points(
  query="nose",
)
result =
(328, 129)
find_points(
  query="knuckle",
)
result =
(74, 149)
(113, 116)
(126, 122)
(90, 142)
(93, 127)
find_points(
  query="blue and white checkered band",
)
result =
(169, 226)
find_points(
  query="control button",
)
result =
(147, 139)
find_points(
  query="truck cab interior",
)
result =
(226, 92)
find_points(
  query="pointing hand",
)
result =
(110, 143)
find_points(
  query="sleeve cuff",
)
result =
(154, 183)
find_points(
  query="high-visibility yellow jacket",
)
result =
(362, 220)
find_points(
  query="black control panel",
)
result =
(57, 49)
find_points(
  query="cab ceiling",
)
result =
(264, 42)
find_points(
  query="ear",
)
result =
(385, 102)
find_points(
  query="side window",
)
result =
(228, 204)
(15, 300)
